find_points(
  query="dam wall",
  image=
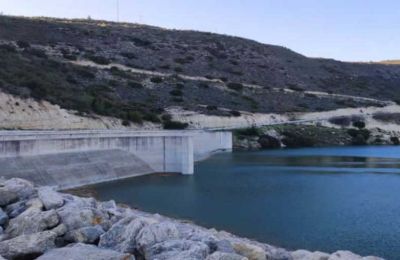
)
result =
(68, 159)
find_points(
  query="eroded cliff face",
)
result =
(19, 113)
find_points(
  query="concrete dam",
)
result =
(68, 159)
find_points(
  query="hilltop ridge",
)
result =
(135, 72)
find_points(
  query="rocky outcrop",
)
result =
(85, 252)
(50, 225)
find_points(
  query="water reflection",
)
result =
(319, 199)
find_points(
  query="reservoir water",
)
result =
(322, 199)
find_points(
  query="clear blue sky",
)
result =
(351, 30)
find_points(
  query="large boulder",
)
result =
(307, 255)
(155, 233)
(16, 208)
(31, 221)
(84, 252)
(87, 235)
(81, 213)
(23, 188)
(177, 250)
(7, 197)
(122, 235)
(225, 256)
(252, 252)
(50, 198)
(3, 218)
(28, 245)
(347, 255)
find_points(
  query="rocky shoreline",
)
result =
(41, 223)
(303, 135)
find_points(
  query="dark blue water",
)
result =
(318, 199)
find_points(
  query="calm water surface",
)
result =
(318, 198)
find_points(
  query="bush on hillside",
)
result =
(156, 80)
(174, 125)
(99, 59)
(176, 92)
(251, 131)
(235, 113)
(359, 124)
(340, 121)
(23, 44)
(395, 140)
(235, 86)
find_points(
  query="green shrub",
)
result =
(134, 116)
(156, 80)
(7, 48)
(180, 86)
(166, 117)
(99, 59)
(126, 122)
(177, 99)
(36, 52)
(203, 85)
(178, 69)
(251, 131)
(235, 113)
(295, 140)
(70, 56)
(295, 87)
(359, 124)
(171, 125)
(235, 86)
(176, 92)
(23, 44)
(128, 55)
(151, 117)
(134, 84)
(395, 140)
(340, 121)
(85, 73)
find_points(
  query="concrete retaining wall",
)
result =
(48, 154)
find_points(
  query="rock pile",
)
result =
(40, 223)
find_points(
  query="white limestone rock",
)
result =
(32, 221)
(7, 197)
(252, 252)
(121, 236)
(87, 235)
(24, 245)
(307, 255)
(156, 233)
(225, 256)
(50, 198)
(177, 250)
(23, 188)
(347, 255)
(84, 252)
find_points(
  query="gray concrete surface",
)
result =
(69, 159)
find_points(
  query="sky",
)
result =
(348, 30)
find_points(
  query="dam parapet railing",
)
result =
(56, 157)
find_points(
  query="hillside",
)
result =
(135, 72)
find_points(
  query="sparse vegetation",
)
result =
(156, 80)
(174, 125)
(235, 86)
(176, 92)
(99, 59)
